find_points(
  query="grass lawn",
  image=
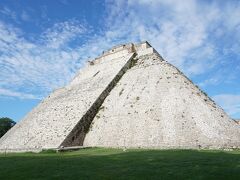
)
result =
(100, 163)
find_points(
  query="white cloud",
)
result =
(62, 33)
(40, 66)
(64, 2)
(229, 102)
(11, 14)
(186, 33)
(9, 93)
(25, 16)
(174, 28)
(211, 81)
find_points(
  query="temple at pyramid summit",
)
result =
(129, 97)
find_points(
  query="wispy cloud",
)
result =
(211, 81)
(230, 102)
(193, 35)
(187, 33)
(40, 66)
(9, 13)
(62, 33)
(25, 16)
(9, 93)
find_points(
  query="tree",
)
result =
(5, 125)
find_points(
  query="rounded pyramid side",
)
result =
(155, 106)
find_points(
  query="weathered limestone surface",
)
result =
(155, 106)
(128, 97)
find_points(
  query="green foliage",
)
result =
(5, 125)
(48, 151)
(101, 163)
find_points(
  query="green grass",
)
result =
(100, 163)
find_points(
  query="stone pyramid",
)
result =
(128, 97)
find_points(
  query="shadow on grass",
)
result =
(101, 163)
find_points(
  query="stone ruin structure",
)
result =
(128, 97)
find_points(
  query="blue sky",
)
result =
(44, 43)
